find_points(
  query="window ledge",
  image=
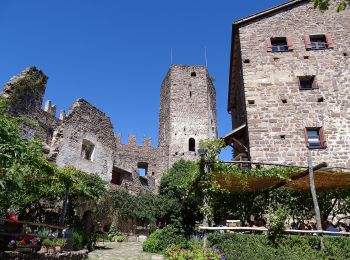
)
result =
(317, 148)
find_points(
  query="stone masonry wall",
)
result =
(164, 122)
(188, 104)
(84, 121)
(188, 110)
(129, 156)
(276, 129)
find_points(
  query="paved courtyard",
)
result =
(124, 250)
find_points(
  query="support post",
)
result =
(313, 192)
(64, 207)
(205, 222)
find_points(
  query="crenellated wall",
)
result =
(85, 138)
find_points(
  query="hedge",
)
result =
(161, 239)
(251, 246)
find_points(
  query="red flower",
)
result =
(13, 217)
(23, 242)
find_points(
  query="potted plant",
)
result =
(59, 243)
(45, 245)
(120, 238)
(22, 246)
(12, 244)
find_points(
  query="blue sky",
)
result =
(115, 54)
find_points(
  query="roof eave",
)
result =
(268, 11)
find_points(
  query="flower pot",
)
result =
(58, 249)
(23, 249)
(43, 250)
(51, 250)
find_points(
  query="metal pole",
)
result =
(313, 192)
(205, 223)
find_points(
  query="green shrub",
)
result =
(78, 241)
(176, 253)
(59, 242)
(159, 240)
(249, 246)
(299, 248)
(242, 246)
(119, 238)
(337, 247)
(47, 243)
(276, 220)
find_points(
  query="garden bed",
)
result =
(8, 255)
(250, 246)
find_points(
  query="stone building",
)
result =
(85, 138)
(289, 87)
(187, 112)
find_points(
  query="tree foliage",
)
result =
(325, 4)
(180, 188)
(27, 178)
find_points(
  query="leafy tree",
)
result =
(180, 188)
(324, 4)
(25, 175)
(27, 179)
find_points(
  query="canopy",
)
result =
(325, 180)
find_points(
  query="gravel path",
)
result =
(124, 250)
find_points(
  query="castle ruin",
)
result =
(84, 136)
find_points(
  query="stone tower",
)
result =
(187, 113)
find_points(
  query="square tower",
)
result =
(187, 112)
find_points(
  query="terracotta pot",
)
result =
(51, 250)
(23, 249)
(43, 250)
(58, 249)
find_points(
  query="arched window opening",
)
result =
(193, 74)
(87, 150)
(192, 145)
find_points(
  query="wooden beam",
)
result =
(264, 229)
(31, 223)
(298, 176)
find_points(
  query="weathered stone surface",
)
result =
(187, 110)
(270, 77)
(84, 137)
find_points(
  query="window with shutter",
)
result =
(268, 45)
(314, 138)
(290, 43)
(318, 42)
(330, 42)
(280, 44)
(307, 42)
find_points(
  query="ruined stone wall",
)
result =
(130, 156)
(85, 139)
(85, 122)
(24, 93)
(276, 129)
(188, 110)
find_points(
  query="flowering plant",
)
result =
(24, 242)
(12, 244)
